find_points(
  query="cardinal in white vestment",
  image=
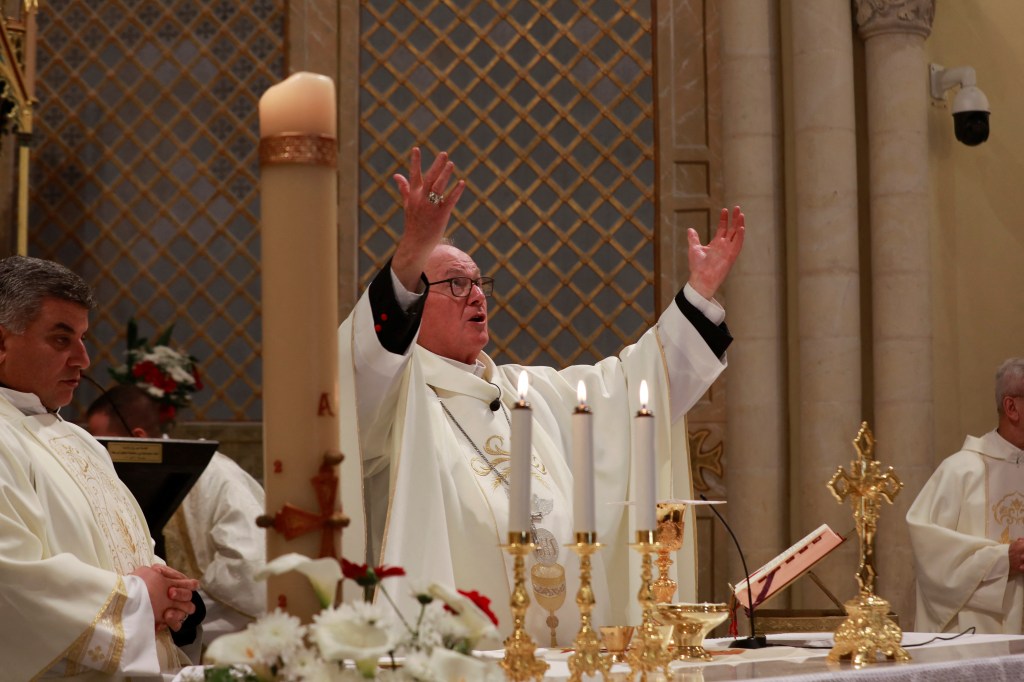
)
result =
(81, 594)
(430, 416)
(967, 526)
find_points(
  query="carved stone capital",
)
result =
(894, 16)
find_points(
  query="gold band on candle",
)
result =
(589, 538)
(648, 537)
(299, 148)
(516, 537)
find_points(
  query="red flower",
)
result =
(195, 375)
(167, 413)
(367, 576)
(483, 603)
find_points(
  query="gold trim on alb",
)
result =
(299, 148)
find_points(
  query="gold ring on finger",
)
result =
(435, 198)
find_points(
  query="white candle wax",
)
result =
(300, 314)
(521, 462)
(302, 103)
(643, 449)
(583, 465)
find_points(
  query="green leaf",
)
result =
(133, 333)
(165, 338)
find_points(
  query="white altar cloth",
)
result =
(966, 659)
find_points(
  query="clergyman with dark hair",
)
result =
(80, 590)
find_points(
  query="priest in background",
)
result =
(81, 593)
(967, 527)
(432, 414)
(213, 533)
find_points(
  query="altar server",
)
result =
(431, 412)
(81, 594)
(967, 525)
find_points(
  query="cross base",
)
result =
(866, 633)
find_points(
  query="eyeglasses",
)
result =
(461, 286)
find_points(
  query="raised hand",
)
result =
(428, 206)
(170, 593)
(709, 265)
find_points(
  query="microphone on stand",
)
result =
(754, 641)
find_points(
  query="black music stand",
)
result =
(159, 472)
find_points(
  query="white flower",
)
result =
(324, 574)
(154, 391)
(446, 665)
(360, 631)
(307, 666)
(277, 635)
(236, 647)
(476, 623)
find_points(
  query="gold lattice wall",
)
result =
(145, 175)
(547, 111)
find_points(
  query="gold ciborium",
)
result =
(692, 624)
(671, 525)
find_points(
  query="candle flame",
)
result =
(581, 393)
(643, 394)
(524, 385)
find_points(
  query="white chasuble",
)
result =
(961, 525)
(430, 509)
(69, 532)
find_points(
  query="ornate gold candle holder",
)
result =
(587, 656)
(520, 661)
(671, 526)
(650, 654)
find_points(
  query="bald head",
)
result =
(454, 327)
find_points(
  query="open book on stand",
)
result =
(775, 575)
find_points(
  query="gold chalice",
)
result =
(669, 536)
(616, 640)
(692, 624)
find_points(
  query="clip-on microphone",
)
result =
(496, 403)
(754, 641)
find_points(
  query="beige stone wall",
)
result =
(977, 232)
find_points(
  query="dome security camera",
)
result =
(971, 109)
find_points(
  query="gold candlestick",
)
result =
(671, 525)
(520, 662)
(867, 631)
(651, 653)
(587, 656)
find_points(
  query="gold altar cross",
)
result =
(865, 488)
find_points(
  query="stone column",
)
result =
(897, 96)
(828, 353)
(756, 430)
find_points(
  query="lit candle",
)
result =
(583, 464)
(298, 178)
(643, 449)
(521, 461)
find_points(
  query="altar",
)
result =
(967, 658)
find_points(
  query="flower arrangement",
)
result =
(347, 641)
(169, 376)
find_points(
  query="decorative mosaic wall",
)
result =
(145, 175)
(546, 109)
